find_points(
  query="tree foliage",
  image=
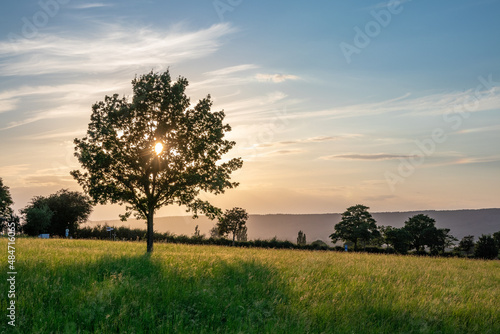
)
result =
(466, 245)
(37, 219)
(486, 247)
(496, 237)
(421, 229)
(423, 232)
(356, 225)
(64, 209)
(398, 238)
(241, 234)
(156, 150)
(233, 221)
(5, 205)
(301, 238)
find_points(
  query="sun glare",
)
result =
(158, 148)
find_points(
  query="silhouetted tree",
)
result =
(5, 203)
(233, 221)
(422, 230)
(496, 237)
(398, 238)
(36, 219)
(466, 245)
(441, 240)
(69, 209)
(197, 233)
(486, 248)
(356, 225)
(156, 150)
(241, 234)
(215, 233)
(301, 238)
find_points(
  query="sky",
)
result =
(394, 105)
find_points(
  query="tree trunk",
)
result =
(234, 234)
(150, 232)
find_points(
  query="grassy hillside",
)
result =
(71, 286)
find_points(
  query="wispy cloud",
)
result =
(53, 135)
(316, 139)
(371, 157)
(116, 48)
(434, 104)
(479, 130)
(231, 69)
(276, 78)
(93, 5)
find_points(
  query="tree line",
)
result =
(419, 234)
(358, 230)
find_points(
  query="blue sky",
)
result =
(394, 105)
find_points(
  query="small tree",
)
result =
(233, 221)
(301, 238)
(197, 233)
(241, 234)
(441, 240)
(356, 225)
(215, 233)
(398, 238)
(155, 150)
(466, 245)
(486, 248)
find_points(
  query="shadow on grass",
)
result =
(143, 294)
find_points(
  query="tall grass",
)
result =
(82, 286)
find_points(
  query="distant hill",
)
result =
(320, 226)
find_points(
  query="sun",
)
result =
(158, 148)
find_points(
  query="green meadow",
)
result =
(82, 286)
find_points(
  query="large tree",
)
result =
(233, 222)
(57, 212)
(155, 150)
(423, 232)
(357, 224)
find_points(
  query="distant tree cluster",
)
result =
(419, 234)
(55, 213)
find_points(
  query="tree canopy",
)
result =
(5, 203)
(486, 248)
(423, 232)
(155, 150)
(357, 224)
(55, 213)
(233, 221)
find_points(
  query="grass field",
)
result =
(75, 286)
